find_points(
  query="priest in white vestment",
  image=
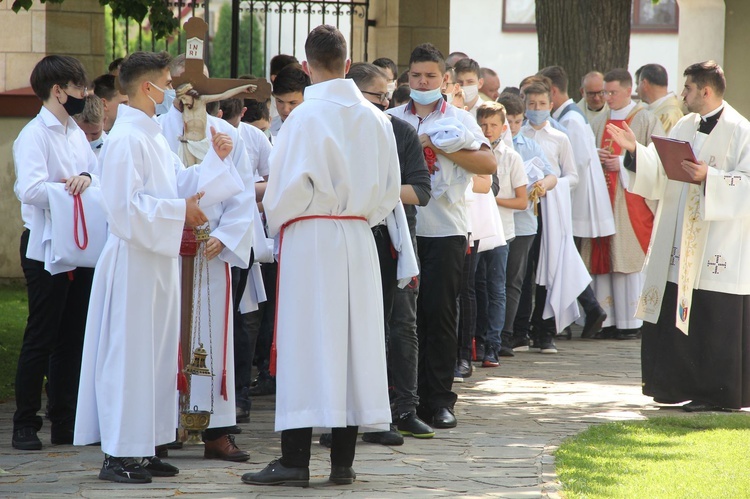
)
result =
(129, 373)
(696, 338)
(334, 174)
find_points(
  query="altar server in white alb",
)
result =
(129, 371)
(696, 339)
(327, 187)
(230, 242)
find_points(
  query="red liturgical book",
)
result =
(672, 153)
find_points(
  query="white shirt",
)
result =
(557, 149)
(440, 218)
(47, 151)
(511, 174)
(257, 146)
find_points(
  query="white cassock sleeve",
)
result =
(650, 180)
(726, 192)
(568, 163)
(144, 221)
(218, 179)
(235, 229)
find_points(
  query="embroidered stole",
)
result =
(641, 217)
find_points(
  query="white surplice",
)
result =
(724, 209)
(231, 221)
(560, 267)
(128, 381)
(590, 204)
(334, 156)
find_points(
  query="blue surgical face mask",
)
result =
(163, 106)
(169, 97)
(426, 97)
(538, 116)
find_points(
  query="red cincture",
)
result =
(272, 365)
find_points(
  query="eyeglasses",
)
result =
(78, 87)
(383, 98)
(600, 93)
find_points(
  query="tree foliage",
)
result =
(162, 19)
(219, 63)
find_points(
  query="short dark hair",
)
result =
(707, 73)
(104, 86)
(56, 70)
(536, 88)
(364, 73)
(511, 90)
(231, 108)
(400, 95)
(620, 75)
(115, 64)
(403, 79)
(386, 63)
(325, 48)
(490, 108)
(279, 62)
(557, 76)
(467, 66)
(139, 64)
(291, 78)
(256, 110)
(427, 52)
(655, 74)
(512, 103)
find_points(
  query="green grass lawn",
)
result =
(13, 312)
(703, 456)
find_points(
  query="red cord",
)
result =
(272, 364)
(78, 212)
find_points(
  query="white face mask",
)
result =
(471, 92)
(390, 88)
(97, 144)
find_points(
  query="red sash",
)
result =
(272, 365)
(641, 217)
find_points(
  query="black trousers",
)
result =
(52, 343)
(246, 329)
(467, 304)
(442, 261)
(295, 447)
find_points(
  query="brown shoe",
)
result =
(224, 448)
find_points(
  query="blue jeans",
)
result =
(490, 285)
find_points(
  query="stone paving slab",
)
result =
(511, 420)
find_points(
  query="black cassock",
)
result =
(712, 363)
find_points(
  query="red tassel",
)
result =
(272, 364)
(182, 382)
(224, 385)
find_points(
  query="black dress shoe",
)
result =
(627, 334)
(443, 418)
(593, 323)
(465, 368)
(157, 467)
(342, 475)
(660, 400)
(608, 333)
(26, 439)
(278, 474)
(696, 406)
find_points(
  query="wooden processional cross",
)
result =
(194, 117)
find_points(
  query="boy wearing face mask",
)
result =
(91, 121)
(51, 149)
(559, 153)
(127, 392)
(468, 77)
(442, 228)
